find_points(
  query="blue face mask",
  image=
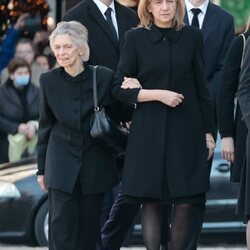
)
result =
(22, 80)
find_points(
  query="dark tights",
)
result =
(151, 225)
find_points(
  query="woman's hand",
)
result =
(227, 151)
(31, 131)
(23, 129)
(130, 83)
(170, 98)
(210, 145)
(40, 180)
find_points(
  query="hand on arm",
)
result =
(130, 83)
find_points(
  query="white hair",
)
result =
(77, 31)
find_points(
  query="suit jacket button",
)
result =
(164, 39)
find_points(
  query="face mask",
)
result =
(22, 80)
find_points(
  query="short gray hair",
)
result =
(77, 31)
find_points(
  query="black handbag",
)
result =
(107, 132)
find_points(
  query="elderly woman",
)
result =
(19, 106)
(170, 137)
(74, 169)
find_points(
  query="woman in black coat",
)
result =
(72, 166)
(232, 127)
(171, 133)
(19, 105)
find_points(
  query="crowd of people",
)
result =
(172, 69)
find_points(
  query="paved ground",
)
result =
(8, 247)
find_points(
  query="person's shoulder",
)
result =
(76, 11)
(190, 30)
(128, 11)
(219, 10)
(104, 71)
(128, 15)
(136, 32)
(50, 76)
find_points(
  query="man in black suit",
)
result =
(105, 38)
(217, 27)
(107, 21)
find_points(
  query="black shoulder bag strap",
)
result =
(96, 107)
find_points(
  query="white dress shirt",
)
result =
(201, 15)
(102, 7)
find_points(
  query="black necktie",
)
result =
(111, 25)
(195, 20)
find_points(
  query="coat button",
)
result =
(164, 39)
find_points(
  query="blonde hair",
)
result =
(77, 31)
(248, 25)
(146, 18)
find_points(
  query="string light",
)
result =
(12, 9)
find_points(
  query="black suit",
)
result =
(77, 169)
(218, 33)
(103, 50)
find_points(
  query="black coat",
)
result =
(163, 140)
(12, 113)
(66, 151)
(243, 95)
(218, 34)
(103, 50)
(230, 122)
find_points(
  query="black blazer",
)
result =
(243, 95)
(164, 140)
(103, 50)
(218, 33)
(12, 113)
(230, 122)
(66, 151)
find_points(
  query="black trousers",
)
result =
(73, 219)
(120, 220)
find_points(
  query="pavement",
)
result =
(11, 247)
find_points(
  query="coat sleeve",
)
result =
(229, 34)
(203, 96)
(228, 88)
(244, 86)
(46, 122)
(127, 67)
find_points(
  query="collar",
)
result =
(155, 34)
(202, 7)
(103, 7)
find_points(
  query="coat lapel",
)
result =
(99, 19)
(209, 21)
(120, 22)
